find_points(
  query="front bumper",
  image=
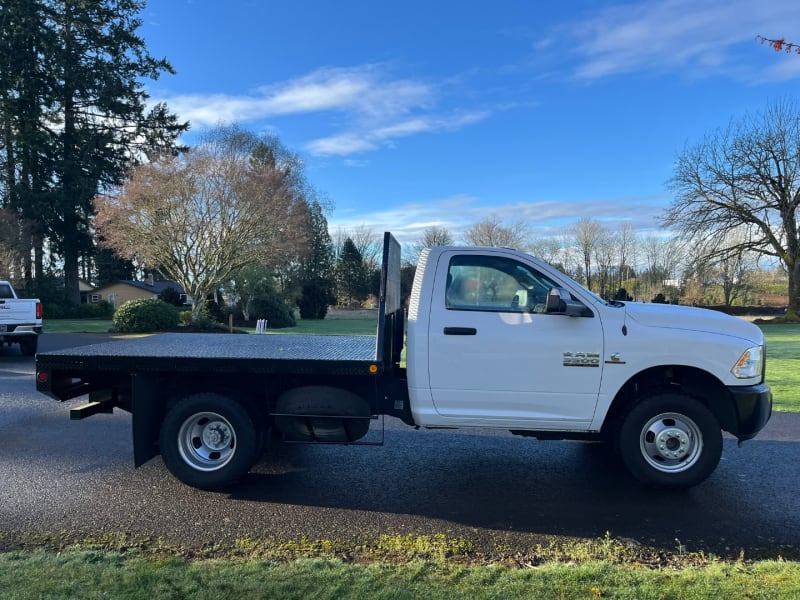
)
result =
(753, 405)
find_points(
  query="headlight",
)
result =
(750, 364)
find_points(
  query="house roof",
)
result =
(156, 287)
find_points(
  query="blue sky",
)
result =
(444, 113)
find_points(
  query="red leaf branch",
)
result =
(780, 45)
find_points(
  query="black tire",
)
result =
(321, 400)
(209, 441)
(28, 345)
(670, 441)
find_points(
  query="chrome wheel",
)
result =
(671, 442)
(207, 441)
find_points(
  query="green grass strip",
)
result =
(90, 575)
(783, 365)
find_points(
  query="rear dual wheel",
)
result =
(209, 441)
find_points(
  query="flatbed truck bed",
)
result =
(218, 353)
(207, 402)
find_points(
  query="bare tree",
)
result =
(747, 176)
(587, 234)
(733, 269)
(548, 249)
(431, 236)
(626, 251)
(663, 259)
(368, 243)
(232, 201)
(492, 232)
(605, 256)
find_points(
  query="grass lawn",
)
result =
(324, 327)
(331, 327)
(783, 365)
(88, 575)
(77, 325)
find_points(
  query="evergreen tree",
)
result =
(25, 107)
(73, 117)
(111, 268)
(100, 68)
(318, 266)
(317, 269)
(351, 275)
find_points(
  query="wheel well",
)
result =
(699, 384)
(248, 396)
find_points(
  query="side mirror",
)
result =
(560, 302)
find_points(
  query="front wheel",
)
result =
(670, 441)
(208, 441)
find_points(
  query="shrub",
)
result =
(660, 299)
(272, 308)
(100, 310)
(53, 310)
(143, 316)
(314, 301)
(622, 294)
(171, 295)
(214, 311)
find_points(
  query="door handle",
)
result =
(460, 331)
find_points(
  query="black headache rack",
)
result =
(391, 326)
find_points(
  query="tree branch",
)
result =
(780, 45)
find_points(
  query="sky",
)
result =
(444, 113)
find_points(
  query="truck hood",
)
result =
(693, 319)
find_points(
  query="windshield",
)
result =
(589, 292)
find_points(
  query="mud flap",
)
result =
(147, 413)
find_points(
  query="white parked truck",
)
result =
(495, 338)
(20, 320)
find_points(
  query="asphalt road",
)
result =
(485, 486)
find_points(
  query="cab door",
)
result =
(497, 359)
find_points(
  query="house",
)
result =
(86, 289)
(120, 292)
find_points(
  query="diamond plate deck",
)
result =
(220, 352)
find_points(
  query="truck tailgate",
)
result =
(17, 312)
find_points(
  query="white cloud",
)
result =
(543, 218)
(376, 108)
(788, 67)
(340, 145)
(666, 35)
(359, 90)
(371, 135)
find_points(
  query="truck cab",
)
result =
(497, 338)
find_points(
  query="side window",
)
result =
(495, 284)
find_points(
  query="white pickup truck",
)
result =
(496, 338)
(20, 320)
